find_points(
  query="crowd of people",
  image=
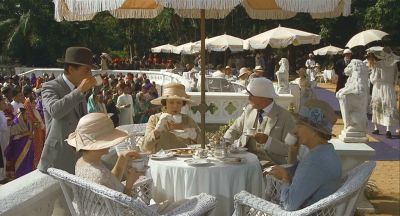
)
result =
(22, 124)
(151, 61)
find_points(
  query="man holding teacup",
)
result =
(263, 125)
(64, 103)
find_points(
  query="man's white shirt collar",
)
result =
(268, 109)
(70, 85)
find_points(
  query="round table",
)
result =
(174, 180)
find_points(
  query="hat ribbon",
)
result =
(81, 139)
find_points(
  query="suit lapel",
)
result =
(67, 91)
(271, 119)
(250, 123)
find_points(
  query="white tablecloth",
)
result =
(175, 180)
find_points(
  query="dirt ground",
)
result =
(386, 178)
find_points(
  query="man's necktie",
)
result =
(260, 116)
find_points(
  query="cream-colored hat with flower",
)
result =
(95, 131)
(173, 91)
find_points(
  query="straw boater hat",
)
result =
(318, 115)
(95, 131)
(173, 91)
(79, 56)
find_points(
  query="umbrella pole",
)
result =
(203, 105)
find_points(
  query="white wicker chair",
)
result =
(91, 199)
(340, 203)
(135, 133)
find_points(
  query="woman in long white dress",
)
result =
(125, 106)
(383, 101)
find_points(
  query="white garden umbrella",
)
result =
(166, 48)
(328, 50)
(222, 43)
(365, 37)
(281, 37)
(186, 49)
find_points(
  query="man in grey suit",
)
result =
(64, 104)
(263, 125)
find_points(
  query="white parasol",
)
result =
(365, 37)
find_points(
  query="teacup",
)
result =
(177, 118)
(290, 139)
(99, 80)
(138, 164)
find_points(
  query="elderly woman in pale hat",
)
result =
(318, 173)
(93, 137)
(170, 129)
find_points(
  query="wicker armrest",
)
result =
(198, 205)
(273, 189)
(142, 189)
(244, 201)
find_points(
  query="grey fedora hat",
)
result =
(78, 56)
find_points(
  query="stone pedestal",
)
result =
(352, 155)
(353, 137)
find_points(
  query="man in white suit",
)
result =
(270, 122)
(64, 104)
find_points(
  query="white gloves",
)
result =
(162, 122)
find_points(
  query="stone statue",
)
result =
(283, 76)
(353, 100)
